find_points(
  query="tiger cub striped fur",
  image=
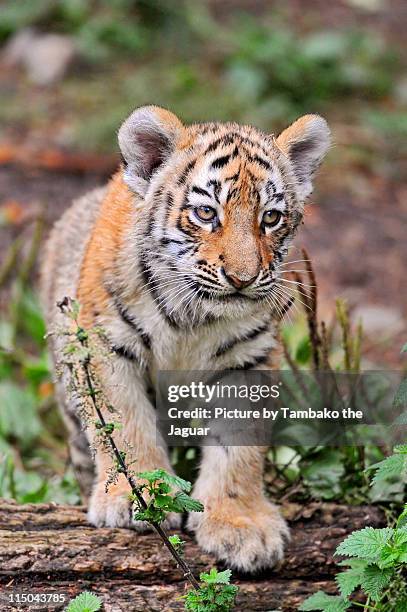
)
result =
(179, 260)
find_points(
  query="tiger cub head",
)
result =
(220, 204)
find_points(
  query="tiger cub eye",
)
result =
(271, 217)
(205, 213)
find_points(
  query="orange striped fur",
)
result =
(179, 260)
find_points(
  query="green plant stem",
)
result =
(10, 260)
(133, 485)
(365, 606)
(22, 279)
(311, 311)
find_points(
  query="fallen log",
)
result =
(54, 159)
(46, 548)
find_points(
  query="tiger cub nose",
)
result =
(239, 283)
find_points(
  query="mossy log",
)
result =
(47, 548)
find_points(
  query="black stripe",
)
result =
(156, 197)
(219, 162)
(231, 138)
(201, 291)
(152, 288)
(282, 235)
(165, 241)
(123, 351)
(168, 205)
(267, 281)
(131, 321)
(286, 308)
(262, 162)
(185, 250)
(233, 191)
(234, 176)
(183, 177)
(191, 230)
(201, 191)
(222, 141)
(209, 283)
(216, 188)
(251, 363)
(270, 189)
(227, 346)
(256, 159)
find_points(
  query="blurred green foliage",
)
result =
(33, 456)
(180, 54)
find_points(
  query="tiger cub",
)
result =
(178, 258)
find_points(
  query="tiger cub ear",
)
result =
(305, 143)
(146, 139)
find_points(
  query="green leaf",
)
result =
(150, 514)
(394, 466)
(164, 488)
(177, 543)
(31, 319)
(36, 370)
(323, 475)
(162, 500)
(215, 577)
(324, 602)
(402, 520)
(400, 537)
(367, 543)
(175, 540)
(85, 602)
(303, 352)
(404, 349)
(37, 496)
(187, 504)
(348, 581)
(224, 577)
(18, 413)
(211, 598)
(375, 580)
(401, 604)
(388, 557)
(170, 479)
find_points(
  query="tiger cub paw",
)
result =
(115, 509)
(247, 538)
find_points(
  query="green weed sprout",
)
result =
(164, 492)
(215, 594)
(85, 602)
(376, 558)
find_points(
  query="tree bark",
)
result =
(45, 548)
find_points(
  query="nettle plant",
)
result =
(376, 558)
(85, 602)
(377, 564)
(164, 492)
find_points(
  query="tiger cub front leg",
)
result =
(110, 505)
(239, 525)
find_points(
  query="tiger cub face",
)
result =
(221, 203)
